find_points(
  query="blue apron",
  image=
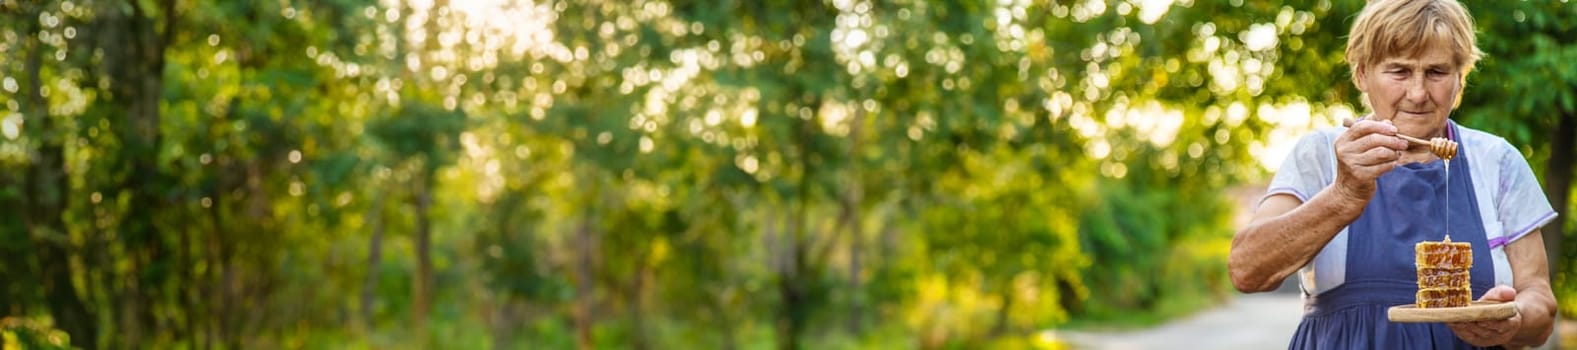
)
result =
(1407, 208)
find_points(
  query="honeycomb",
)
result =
(1443, 277)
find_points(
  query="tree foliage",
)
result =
(659, 173)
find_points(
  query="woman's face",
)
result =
(1415, 93)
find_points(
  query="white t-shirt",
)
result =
(1510, 201)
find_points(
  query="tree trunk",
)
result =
(507, 313)
(583, 283)
(215, 254)
(856, 288)
(133, 48)
(773, 243)
(47, 195)
(887, 244)
(424, 263)
(503, 317)
(794, 276)
(788, 289)
(186, 280)
(1557, 186)
(374, 259)
(1001, 325)
(18, 276)
(852, 222)
(791, 279)
(724, 324)
(237, 280)
(638, 337)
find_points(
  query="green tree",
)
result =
(1522, 82)
(662, 173)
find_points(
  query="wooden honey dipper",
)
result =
(1440, 146)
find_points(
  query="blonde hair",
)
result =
(1388, 28)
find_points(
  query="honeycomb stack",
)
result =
(1443, 279)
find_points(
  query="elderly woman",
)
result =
(1347, 206)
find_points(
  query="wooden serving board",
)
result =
(1477, 311)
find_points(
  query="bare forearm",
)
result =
(1537, 308)
(1286, 234)
(1269, 250)
(1535, 301)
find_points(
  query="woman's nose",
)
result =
(1416, 91)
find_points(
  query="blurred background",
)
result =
(675, 174)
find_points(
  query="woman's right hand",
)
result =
(1365, 151)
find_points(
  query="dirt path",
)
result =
(1257, 321)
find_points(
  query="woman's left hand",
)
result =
(1490, 333)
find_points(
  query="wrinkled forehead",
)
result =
(1428, 42)
(1431, 53)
